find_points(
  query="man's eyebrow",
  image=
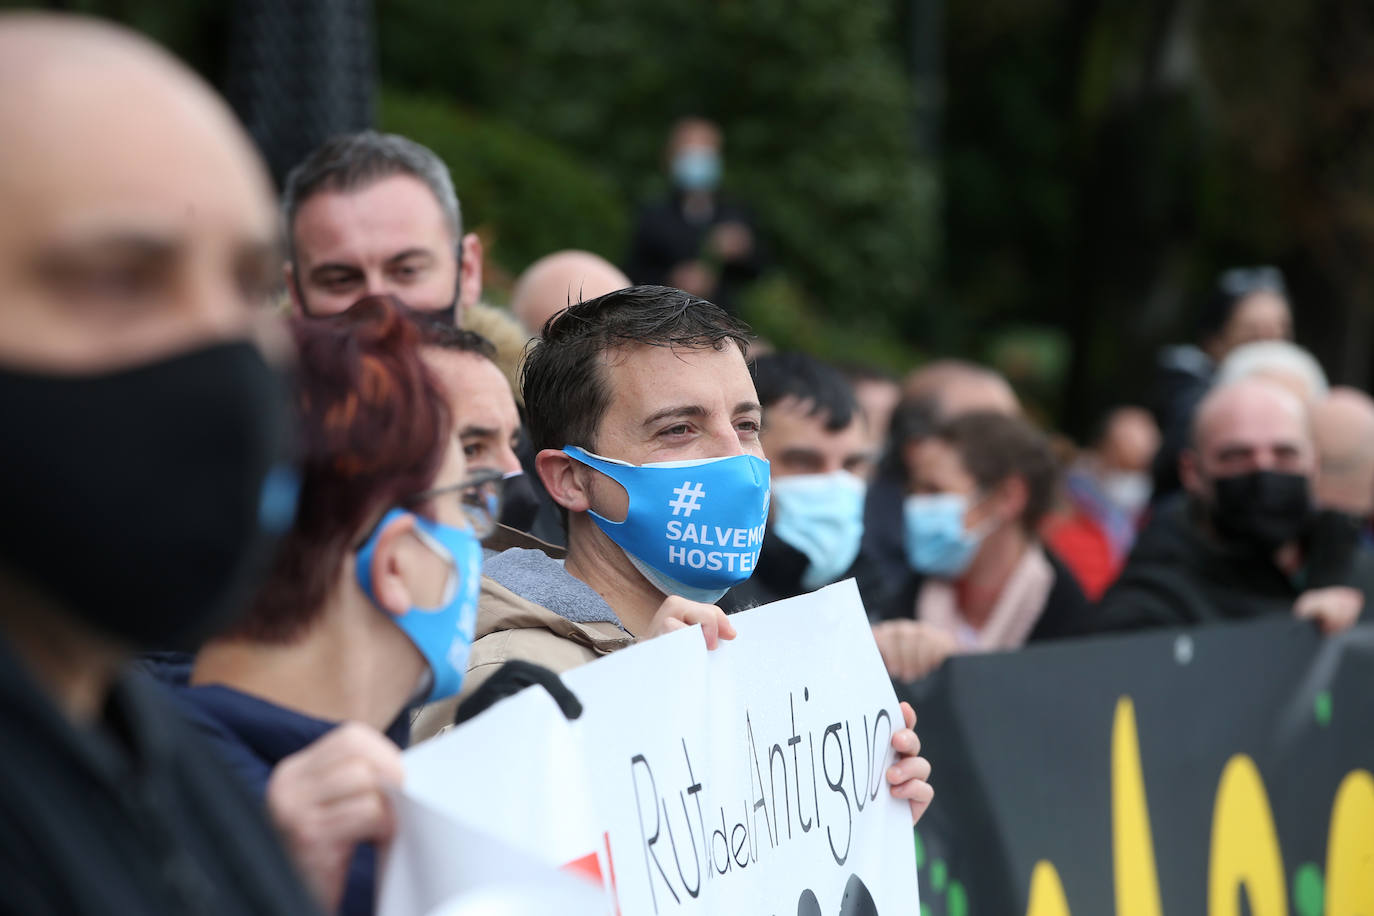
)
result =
(138, 244)
(410, 253)
(681, 410)
(469, 432)
(748, 407)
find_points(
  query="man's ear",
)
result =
(1189, 474)
(1012, 495)
(562, 478)
(388, 566)
(469, 271)
(293, 288)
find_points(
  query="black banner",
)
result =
(1221, 770)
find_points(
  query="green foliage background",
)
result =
(1094, 162)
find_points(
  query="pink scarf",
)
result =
(1018, 607)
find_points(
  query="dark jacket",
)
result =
(1181, 574)
(1183, 377)
(252, 736)
(133, 815)
(1067, 610)
(664, 237)
(779, 573)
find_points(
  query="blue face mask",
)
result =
(442, 634)
(822, 515)
(692, 528)
(696, 169)
(936, 542)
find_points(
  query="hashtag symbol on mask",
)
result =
(688, 498)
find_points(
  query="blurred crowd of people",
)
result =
(256, 547)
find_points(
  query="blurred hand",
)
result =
(328, 798)
(912, 649)
(677, 613)
(731, 241)
(693, 277)
(909, 776)
(1335, 608)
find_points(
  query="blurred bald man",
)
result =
(557, 280)
(1247, 541)
(952, 387)
(143, 430)
(1343, 426)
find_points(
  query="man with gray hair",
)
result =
(1248, 540)
(370, 213)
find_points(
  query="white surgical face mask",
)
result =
(1129, 491)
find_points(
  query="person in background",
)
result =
(878, 393)
(696, 240)
(368, 610)
(1247, 541)
(1280, 361)
(556, 281)
(1247, 304)
(371, 214)
(506, 336)
(137, 257)
(938, 391)
(1107, 491)
(1343, 432)
(980, 486)
(816, 441)
(485, 417)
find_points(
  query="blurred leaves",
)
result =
(810, 93)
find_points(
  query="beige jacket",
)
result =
(511, 627)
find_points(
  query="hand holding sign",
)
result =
(677, 613)
(1334, 609)
(908, 776)
(330, 797)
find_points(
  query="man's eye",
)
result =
(338, 283)
(472, 450)
(405, 272)
(680, 429)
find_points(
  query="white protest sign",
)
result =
(750, 779)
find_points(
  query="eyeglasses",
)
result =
(479, 496)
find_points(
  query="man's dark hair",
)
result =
(820, 387)
(460, 340)
(351, 161)
(993, 447)
(564, 381)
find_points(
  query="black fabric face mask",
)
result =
(1265, 509)
(146, 501)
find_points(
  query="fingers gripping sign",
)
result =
(676, 613)
(330, 797)
(909, 777)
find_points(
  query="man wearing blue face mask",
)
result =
(816, 441)
(696, 240)
(645, 423)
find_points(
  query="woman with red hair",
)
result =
(369, 608)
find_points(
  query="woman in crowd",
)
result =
(980, 485)
(369, 608)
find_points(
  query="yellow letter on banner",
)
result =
(1046, 893)
(1350, 848)
(1245, 846)
(1133, 850)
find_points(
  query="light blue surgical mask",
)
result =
(692, 528)
(696, 169)
(443, 634)
(937, 543)
(822, 515)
